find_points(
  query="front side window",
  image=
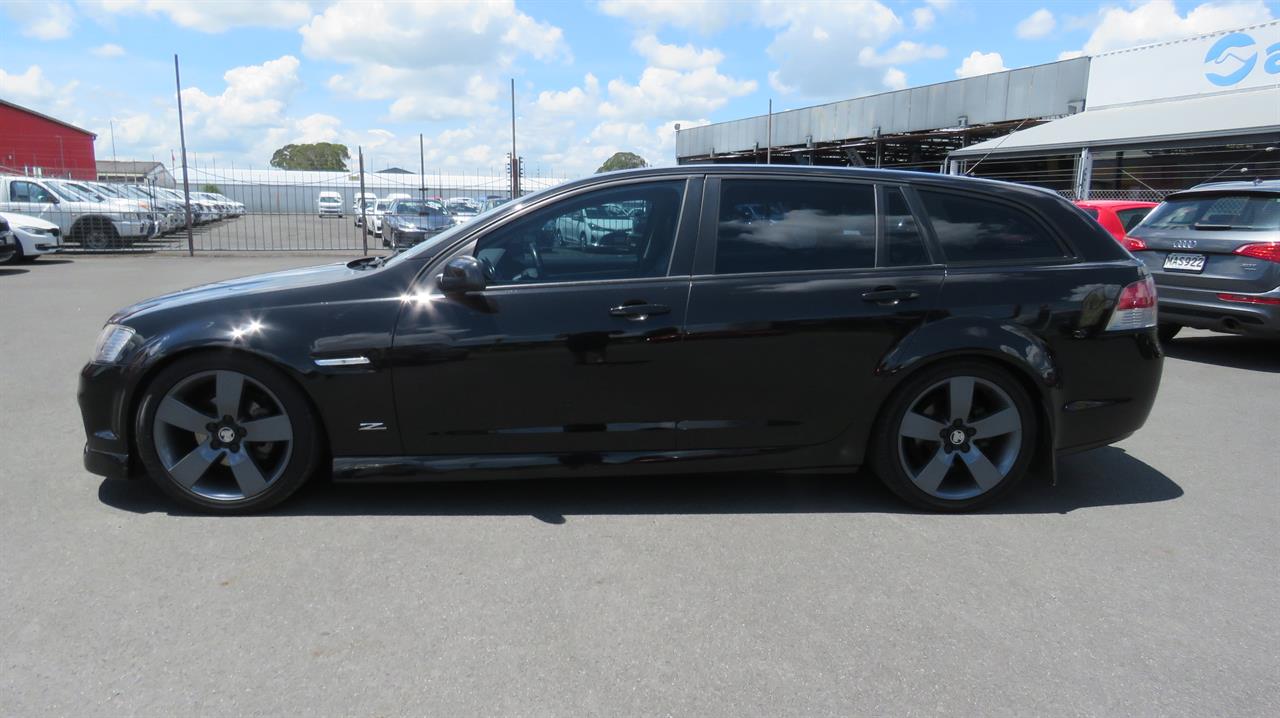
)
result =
(970, 229)
(795, 225)
(28, 192)
(587, 238)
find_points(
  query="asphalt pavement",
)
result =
(1144, 584)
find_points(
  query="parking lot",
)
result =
(1143, 583)
(260, 232)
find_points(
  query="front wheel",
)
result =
(226, 434)
(955, 437)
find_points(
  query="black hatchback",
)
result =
(951, 334)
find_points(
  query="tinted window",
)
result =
(904, 246)
(28, 192)
(1092, 212)
(1244, 212)
(792, 225)
(976, 230)
(1130, 218)
(586, 238)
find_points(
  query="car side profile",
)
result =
(1214, 251)
(951, 334)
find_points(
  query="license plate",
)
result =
(1185, 262)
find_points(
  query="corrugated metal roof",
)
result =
(1041, 91)
(43, 116)
(1251, 112)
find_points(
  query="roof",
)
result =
(43, 116)
(1244, 113)
(1114, 203)
(1269, 186)
(133, 167)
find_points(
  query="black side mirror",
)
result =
(461, 275)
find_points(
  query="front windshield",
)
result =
(417, 207)
(109, 191)
(69, 193)
(86, 191)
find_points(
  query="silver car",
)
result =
(1214, 251)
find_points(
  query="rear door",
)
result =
(801, 287)
(1192, 241)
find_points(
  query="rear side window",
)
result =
(1090, 211)
(1130, 218)
(970, 229)
(1217, 212)
(794, 225)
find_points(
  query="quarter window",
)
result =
(620, 233)
(976, 230)
(904, 246)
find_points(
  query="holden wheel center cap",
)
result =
(957, 437)
(226, 435)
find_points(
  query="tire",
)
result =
(99, 235)
(936, 463)
(1167, 332)
(17, 256)
(212, 463)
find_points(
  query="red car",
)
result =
(1117, 216)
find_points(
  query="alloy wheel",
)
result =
(223, 435)
(960, 438)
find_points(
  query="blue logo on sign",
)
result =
(1232, 51)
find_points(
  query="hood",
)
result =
(25, 220)
(255, 286)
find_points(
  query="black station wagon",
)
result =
(951, 334)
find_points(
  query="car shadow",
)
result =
(5, 271)
(47, 261)
(1227, 351)
(1103, 477)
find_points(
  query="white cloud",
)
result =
(108, 50)
(1158, 20)
(42, 20)
(655, 143)
(819, 46)
(575, 101)
(894, 79)
(903, 52)
(663, 92)
(255, 96)
(32, 89)
(215, 17)
(676, 57)
(705, 16)
(922, 18)
(1037, 24)
(1070, 54)
(980, 63)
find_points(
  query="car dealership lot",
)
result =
(1144, 583)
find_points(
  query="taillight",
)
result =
(1135, 307)
(1267, 251)
(1133, 244)
(1247, 299)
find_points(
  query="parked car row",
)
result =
(47, 212)
(1214, 251)
(458, 210)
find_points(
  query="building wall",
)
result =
(29, 143)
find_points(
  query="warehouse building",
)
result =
(36, 144)
(1133, 123)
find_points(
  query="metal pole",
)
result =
(515, 171)
(113, 140)
(186, 178)
(768, 151)
(422, 170)
(364, 215)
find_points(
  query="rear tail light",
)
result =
(1268, 251)
(1246, 299)
(1135, 307)
(1133, 244)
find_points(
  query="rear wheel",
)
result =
(1167, 332)
(226, 434)
(955, 437)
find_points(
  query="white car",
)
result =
(375, 216)
(35, 236)
(329, 204)
(94, 224)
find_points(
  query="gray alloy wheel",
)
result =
(222, 435)
(960, 438)
(98, 237)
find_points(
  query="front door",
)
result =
(801, 290)
(569, 348)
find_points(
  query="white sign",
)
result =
(1220, 62)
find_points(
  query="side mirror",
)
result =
(461, 275)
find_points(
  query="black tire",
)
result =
(296, 465)
(99, 235)
(890, 448)
(17, 255)
(1167, 332)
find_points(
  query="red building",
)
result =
(32, 143)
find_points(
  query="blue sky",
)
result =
(591, 77)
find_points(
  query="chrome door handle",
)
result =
(889, 296)
(639, 312)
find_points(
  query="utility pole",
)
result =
(186, 178)
(515, 169)
(364, 215)
(768, 151)
(113, 139)
(422, 170)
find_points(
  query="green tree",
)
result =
(622, 161)
(211, 188)
(320, 156)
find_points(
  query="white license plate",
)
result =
(1185, 262)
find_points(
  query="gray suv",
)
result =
(1214, 251)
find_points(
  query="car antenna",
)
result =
(981, 159)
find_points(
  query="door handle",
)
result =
(639, 312)
(889, 296)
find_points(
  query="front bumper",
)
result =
(104, 410)
(1202, 309)
(133, 228)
